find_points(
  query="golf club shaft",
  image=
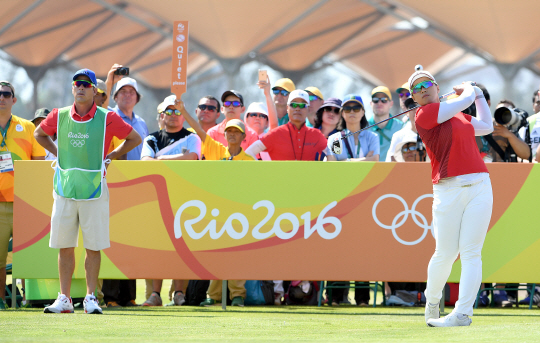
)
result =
(397, 115)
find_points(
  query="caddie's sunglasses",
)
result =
(334, 110)
(207, 107)
(282, 91)
(6, 95)
(84, 83)
(233, 103)
(424, 84)
(376, 100)
(348, 109)
(313, 97)
(298, 105)
(260, 115)
(170, 112)
(404, 95)
(409, 149)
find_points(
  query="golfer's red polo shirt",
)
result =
(116, 126)
(287, 143)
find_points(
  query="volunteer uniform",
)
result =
(215, 151)
(534, 132)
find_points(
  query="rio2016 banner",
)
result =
(277, 220)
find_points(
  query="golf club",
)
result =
(336, 145)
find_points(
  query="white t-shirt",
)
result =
(405, 134)
(535, 133)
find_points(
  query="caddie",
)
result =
(81, 196)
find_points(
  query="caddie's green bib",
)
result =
(79, 171)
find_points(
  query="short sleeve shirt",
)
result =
(139, 125)
(288, 143)
(368, 140)
(115, 126)
(21, 143)
(451, 145)
(385, 134)
(215, 151)
(218, 134)
(171, 143)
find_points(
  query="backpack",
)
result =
(259, 292)
(296, 295)
(196, 292)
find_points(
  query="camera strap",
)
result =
(495, 146)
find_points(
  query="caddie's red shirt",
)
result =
(116, 126)
(287, 143)
(451, 146)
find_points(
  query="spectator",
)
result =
(406, 151)
(39, 116)
(533, 127)
(233, 107)
(256, 117)
(404, 94)
(79, 201)
(281, 91)
(407, 133)
(363, 146)
(381, 103)
(328, 117)
(208, 112)
(101, 95)
(316, 100)
(294, 140)
(18, 143)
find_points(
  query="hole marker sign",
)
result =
(179, 58)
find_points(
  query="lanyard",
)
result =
(4, 133)
(357, 149)
(292, 143)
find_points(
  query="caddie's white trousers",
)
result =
(461, 215)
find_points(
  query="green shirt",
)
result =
(385, 134)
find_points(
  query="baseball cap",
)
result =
(232, 92)
(8, 84)
(87, 72)
(286, 84)
(101, 86)
(298, 93)
(331, 102)
(236, 123)
(41, 113)
(127, 81)
(418, 74)
(168, 101)
(382, 89)
(404, 86)
(315, 91)
(352, 98)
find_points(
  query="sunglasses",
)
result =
(404, 95)
(207, 107)
(348, 109)
(313, 98)
(334, 110)
(424, 84)
(409, 149)
(376, 100)
(170, 112)
(233, 103)
(6, 95)
(282, 91)
(260, 115)
(84, 83)
(298, 105)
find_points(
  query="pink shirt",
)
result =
(218, 134)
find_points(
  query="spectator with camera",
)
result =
(381, 103)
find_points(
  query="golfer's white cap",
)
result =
(418, 74)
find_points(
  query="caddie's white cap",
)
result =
(127, 81)
(418, 74)
(298, 94)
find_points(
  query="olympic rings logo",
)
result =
(77, 143)
(402, 217)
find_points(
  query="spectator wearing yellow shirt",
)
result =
(235, 132)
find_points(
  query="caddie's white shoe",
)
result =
(453, 319)
(62, 304)
(91, 305)
(432, 312)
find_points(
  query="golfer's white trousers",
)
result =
(461, 213)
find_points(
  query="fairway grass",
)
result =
(270, 323)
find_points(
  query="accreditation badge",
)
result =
(6, 162)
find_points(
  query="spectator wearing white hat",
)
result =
(256, 117)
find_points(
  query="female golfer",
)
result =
(462, 195)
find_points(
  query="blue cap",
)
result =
(352, 97)
(86, 72)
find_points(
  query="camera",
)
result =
(122, 71)
(512, 118)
